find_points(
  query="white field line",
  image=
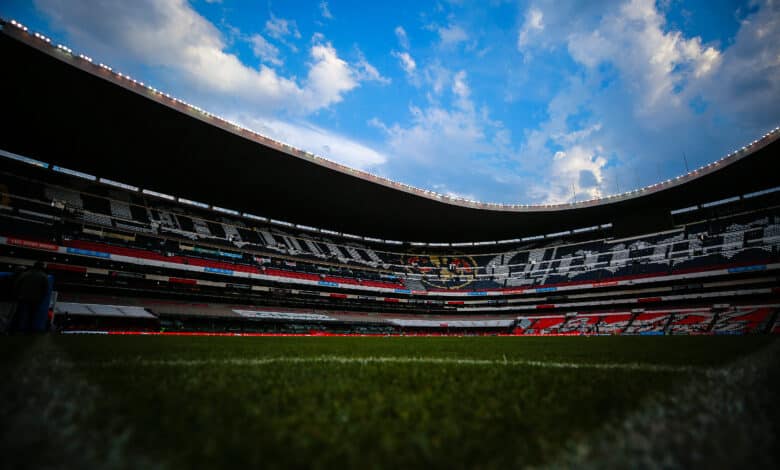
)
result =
(634, 366)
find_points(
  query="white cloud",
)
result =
(627, 124)
(174, 37)
(621, 107)
(747, 84)
(575, 136)
(328, 79)
(452, 35)
(459, 85)
(437, 131)
(317, 140)
(325, 10)
(532, 25)
(407, 62)
(364, 71)
(264, 50)
(559, 161)
(575, 174)
(462, 91)
(403, 39)
(445, 148)
(280, 28)
(437, 76)
(445, 190)
(660, 62)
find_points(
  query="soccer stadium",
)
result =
(245, 302)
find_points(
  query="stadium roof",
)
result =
(61, 107)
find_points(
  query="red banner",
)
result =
(32, 244)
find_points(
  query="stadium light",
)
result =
(160, 195)
(19, 25)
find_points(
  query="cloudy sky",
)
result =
(500, 101)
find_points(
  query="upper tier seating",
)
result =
(738, 240)
(69, 197)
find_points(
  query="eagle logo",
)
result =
(443, 272)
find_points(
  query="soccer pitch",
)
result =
(176, 402)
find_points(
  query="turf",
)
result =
(334, 402)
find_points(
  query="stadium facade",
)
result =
(157, 215)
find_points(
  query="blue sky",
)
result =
(516, 102)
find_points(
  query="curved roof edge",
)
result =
(85, 63)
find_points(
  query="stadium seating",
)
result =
(738, 320)
(544, 325)
(76, 310)
(742, 321)
(123, 238)
(710, 268)
(743, 239)
(648, 324)
(612, 324)
(607, 324)
(690, 323)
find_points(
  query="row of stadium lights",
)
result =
(382, 179)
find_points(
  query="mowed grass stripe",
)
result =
(365, 360)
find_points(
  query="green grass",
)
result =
(184, 401)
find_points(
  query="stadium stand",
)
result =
(203, 317)
(542, 325)
(689, 323)
(648, 323)
(742, 321)
(650, 254)
(703, 258)
(612, 324)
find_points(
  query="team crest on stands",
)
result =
(443, 272)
